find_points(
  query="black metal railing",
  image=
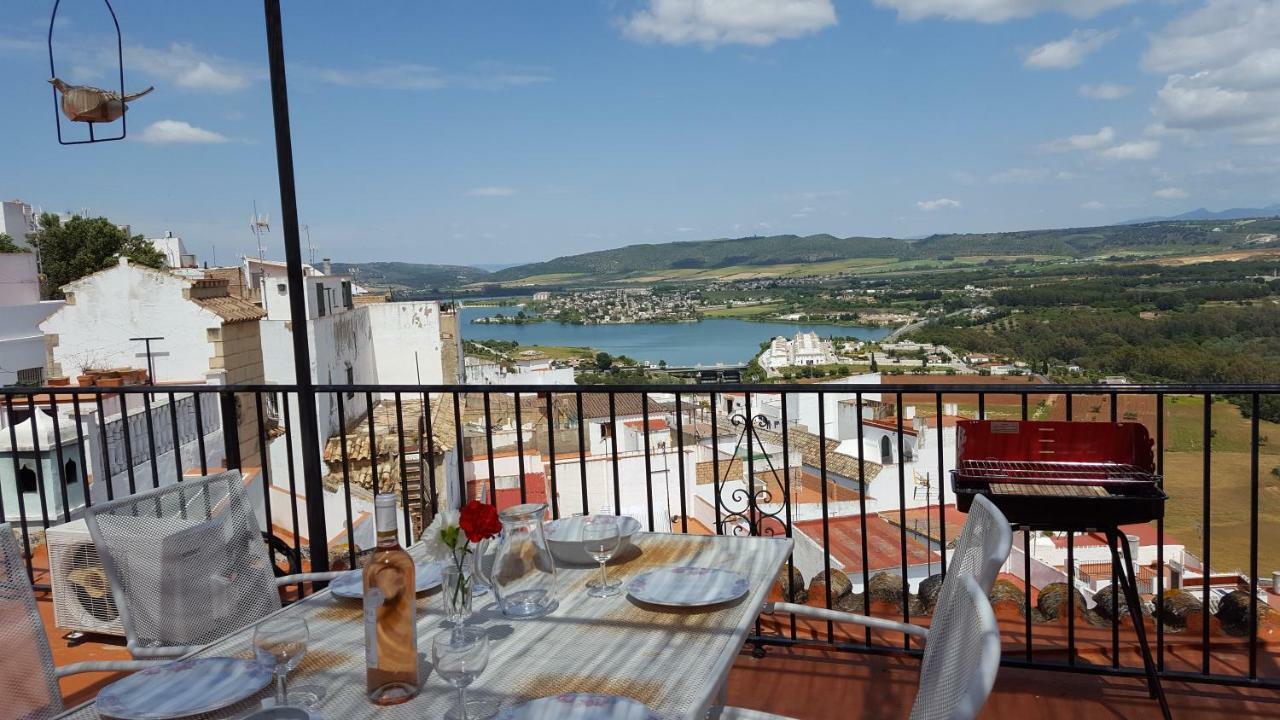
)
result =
(748, 459)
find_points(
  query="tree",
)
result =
(604, 360)
(874, 366)
(83, 246)
(7, 245)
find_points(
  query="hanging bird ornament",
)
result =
(82, 103)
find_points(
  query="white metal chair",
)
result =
(28, 679)
(960, 663)
(186, 564)
(981, 551)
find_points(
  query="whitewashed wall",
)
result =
(106, 308)
(406, 341)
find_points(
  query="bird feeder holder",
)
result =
(81, 107)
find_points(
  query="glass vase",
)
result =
(456, 593)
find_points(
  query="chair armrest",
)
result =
(307, 577)
(845, 617)
(106, 666)
(164, 652)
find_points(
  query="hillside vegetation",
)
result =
(1143, 238)
(410, 276)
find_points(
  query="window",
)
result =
(282, 288)
(70, 472)
(347, 300)
(31, 376)
(27, 480)
(606, 431)
(320, 309)
(351, 380)
(886, 451)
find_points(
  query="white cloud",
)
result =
(685, 229)
(415, 76)
(1068, 52)
(491, 191)
(186, 67)
(724, 22)
(1088, 141)
(177, 131)
(1104, 91)
(1170, 193)
(994, 11)
(938, 204)
(1136, 150)
(1222, 69)
(1092, 205)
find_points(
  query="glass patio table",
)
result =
(673, 660)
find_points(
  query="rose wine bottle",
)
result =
(390, 609)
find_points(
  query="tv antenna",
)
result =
(311, 249)
(259, 225)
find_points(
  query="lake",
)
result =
(711, 341)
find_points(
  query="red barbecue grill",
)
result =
(1066, 476)
(1059, 475)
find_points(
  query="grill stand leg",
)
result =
(1129, 585)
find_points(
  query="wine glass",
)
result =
(459, 656)
(280, 643)
(600, 537)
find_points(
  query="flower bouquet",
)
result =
(455, 536)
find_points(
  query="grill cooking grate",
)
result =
(1026, 472)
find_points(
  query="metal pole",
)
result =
(308, 432)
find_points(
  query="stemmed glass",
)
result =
(601, 536)
(280, 643)
(460, 655)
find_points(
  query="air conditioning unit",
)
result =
(82, 598)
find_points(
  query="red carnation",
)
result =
(479, 521)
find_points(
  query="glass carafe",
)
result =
(522, 573)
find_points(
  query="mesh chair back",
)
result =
(186, 562)
(980, 552)
(961, 658)
(26, 649)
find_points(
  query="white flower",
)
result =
(434, 546)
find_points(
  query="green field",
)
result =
(743, 311)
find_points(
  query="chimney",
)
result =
(1134, 544)
(168, 234)
(328, 267)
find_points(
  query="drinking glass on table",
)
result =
(459, 656)
(280, 643)
(601, 536)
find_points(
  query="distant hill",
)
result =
(1159, 236)
(410, 276)
(1205, 214)
(725, 252)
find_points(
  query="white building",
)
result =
(523, 371)
(207, 337)
(806, 349)
(18, 220)
(174, 251)
(22, 357)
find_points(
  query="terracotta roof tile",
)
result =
(231, 309)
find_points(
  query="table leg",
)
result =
(1129, 586)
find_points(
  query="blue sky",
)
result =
(503, 132)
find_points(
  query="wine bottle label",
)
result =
(372, 601)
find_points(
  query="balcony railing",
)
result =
(857, 474)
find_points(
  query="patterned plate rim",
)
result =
(243, 692)
(700, 603)
(339, 592)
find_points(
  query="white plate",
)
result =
(426, 575)
(564, 537)
(579, 706)
(182, 688)
(687, 586)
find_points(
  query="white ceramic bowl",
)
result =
(564, 537)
